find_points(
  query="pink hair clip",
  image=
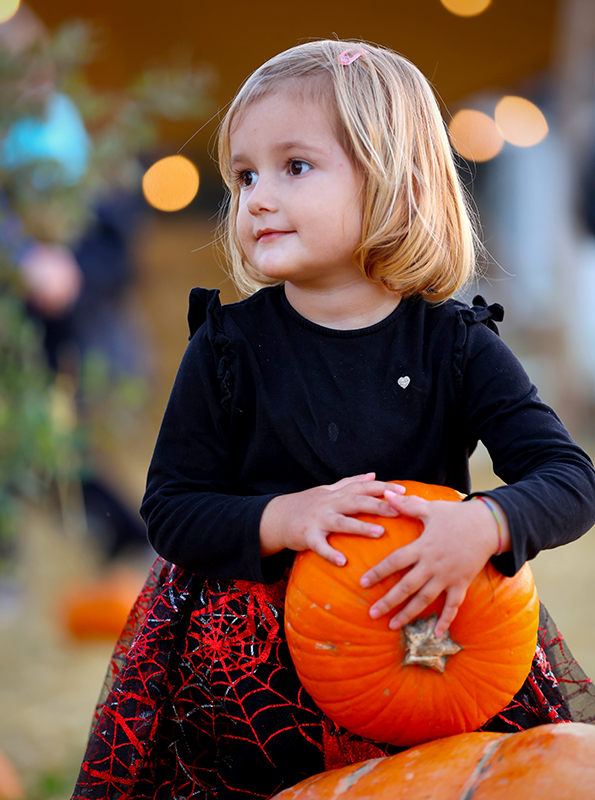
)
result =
(345, 59)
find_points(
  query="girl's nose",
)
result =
(262, 197)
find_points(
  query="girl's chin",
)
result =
(280, 272)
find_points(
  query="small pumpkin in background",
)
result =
(11, 786)
(97, 609)
(405, 687)
(550, 762)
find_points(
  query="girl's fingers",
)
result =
(411, 505)
(426, 594)
(371, 488)
(369, 485)
(413, 609)
(316, 514)
(417, 605)
(363, 504)
(394, 562)
(356, 526)
(454, 599)
(323, 548)
(416, 582)
(365, 476)
(396, 489)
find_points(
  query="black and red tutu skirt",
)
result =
(202, 701)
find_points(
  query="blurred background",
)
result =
(109, 205)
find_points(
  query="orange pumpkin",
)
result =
(387, 685)
(551, 762)
(98, 609)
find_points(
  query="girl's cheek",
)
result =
(240, 219)
(242, 230)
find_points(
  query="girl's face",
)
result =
(300, 211)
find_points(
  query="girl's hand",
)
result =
(457, 541)
(303, 520)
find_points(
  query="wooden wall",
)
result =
(511, 39)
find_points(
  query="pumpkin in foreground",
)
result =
(406, 687)
(550, 762)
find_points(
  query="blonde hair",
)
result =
(417, 236)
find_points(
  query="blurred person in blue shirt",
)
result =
(75, 293)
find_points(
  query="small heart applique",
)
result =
(404, 381)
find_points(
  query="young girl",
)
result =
(348, 368)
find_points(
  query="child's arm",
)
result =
(457, 541)
(303, 520)
(200, 518)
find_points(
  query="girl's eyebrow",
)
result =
(296, 144)
(292, 144)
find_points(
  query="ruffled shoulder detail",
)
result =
(479, 312)
(205, 308)
(202, 303)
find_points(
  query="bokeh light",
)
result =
(474, 135)
(8, 8)
(520, 121)
(171, 183)
(466, 8)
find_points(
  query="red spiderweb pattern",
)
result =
(206, 704)
(153, 585)
(556, 690)
(205, 701)
(575, 687)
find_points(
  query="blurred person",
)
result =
(76, 293)
(54, 136)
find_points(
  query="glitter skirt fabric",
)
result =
(202, 701)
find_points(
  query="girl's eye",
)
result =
(298, 167)
(246, 178)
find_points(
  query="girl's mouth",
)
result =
(270, 235)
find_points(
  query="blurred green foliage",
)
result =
(122, 125)
(53, 785)
(40, 432)
(37, 432)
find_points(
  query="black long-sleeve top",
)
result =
(266, 402)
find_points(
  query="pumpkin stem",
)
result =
(423, 648)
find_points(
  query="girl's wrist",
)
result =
(500, 521)
(270, 527)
